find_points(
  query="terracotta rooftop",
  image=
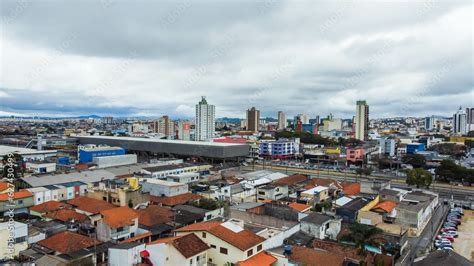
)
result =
(66, 215)
(50, 206)
(291, 180)
(154, 215)
(16, 195)
(90, 205)
(350, 188)
(261, 259)
(175, 200)
(311, 257)
(299, 207)
(137, 238)
(119, 217)
(68, 242)
(4, 186)
(188, 245)
(242, 240)
(385, 206)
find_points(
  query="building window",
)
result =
(203, 234)
(213, 246)
(259, 247)
(223, 251)
(250, 253)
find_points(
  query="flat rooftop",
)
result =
(176, 147)
(5, 149)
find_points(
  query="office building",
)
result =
(253, 119)
(362, 121)
(387, 147)
(205, 120)
(87, 153)
(460, 122)
(282, 123)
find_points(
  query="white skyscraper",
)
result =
(362, 121)
(281, 120)
(460, 122)
(205, 120)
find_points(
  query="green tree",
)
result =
(415, 160)
(452, 149)
(419, 177)
(362, 235)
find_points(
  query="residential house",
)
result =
(19, 202)
(187, 249)
(350, 211)
(162, 188)
(126, 254)
(119, 192)
(229, 242)
(175, 200)
(315, 195)
(272, 192)
(19, 239)
(117, 224)
(321, 226)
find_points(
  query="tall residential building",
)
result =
(362, 121)
(164, 126)
(460, 122)
(281, 120)
(253, 119)
(184, 130)
(304, 118)
(470, 119)
(205, 120)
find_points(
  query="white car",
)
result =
(451, 233)
(445, 248)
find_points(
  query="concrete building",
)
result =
(184, 130)
(205, 120)
(321, 226)
(126, 254)
(117, 160)
(315, 195)
(460, 122)
(280, 149)
(355, 155)
(253, 119)
(184, 178)
(87, 153)
(161, 188)
(20, 202)
(387, 147)
(20, 237)
(119, 192)
(272, 192)
(162, 172)
(164, 126)
(41, 167)
(470, 119)
(362, 121)
(282, 122)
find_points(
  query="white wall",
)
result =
(125, 257)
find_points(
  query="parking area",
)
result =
(464, 244)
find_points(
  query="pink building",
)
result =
(355, 154)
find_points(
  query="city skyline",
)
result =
(415, 64)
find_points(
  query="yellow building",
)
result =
(459, 139)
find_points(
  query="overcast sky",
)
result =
(151, 58)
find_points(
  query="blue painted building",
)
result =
(413, 148)
(86, 155)
(280, 149)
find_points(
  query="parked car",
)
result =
(451, 233)
(450, 238)
(447, 229)
(441, 242)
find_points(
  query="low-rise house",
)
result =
(350, 211)
(119, 192)
(67, 242)
(126, 254)
(229, 242)
(156, 220)
(315, 195)
(321, 226)
(294, 182)
(19, 239)
(162, 188)
(90, 206)
(272, 192)
(117, 224)
(303, 208)
(184, 178)
(186, 249)
(175, 200)
(19, 202)
(58, 192)
(48, 206)
(261, 259)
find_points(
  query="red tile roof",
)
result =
(137, 238)
(350, 188)
(188, 245)
(119, 217)
(154, 215)
(16, 195)
(385, 206)
(311, 257)
(291, 180)
(90, 205)
(299, 207)
(314, 182)
(4, 185)
(261, 259)
(50, 206)
(68, 242)
(175, 200)
(243, 240)
(66, 215)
